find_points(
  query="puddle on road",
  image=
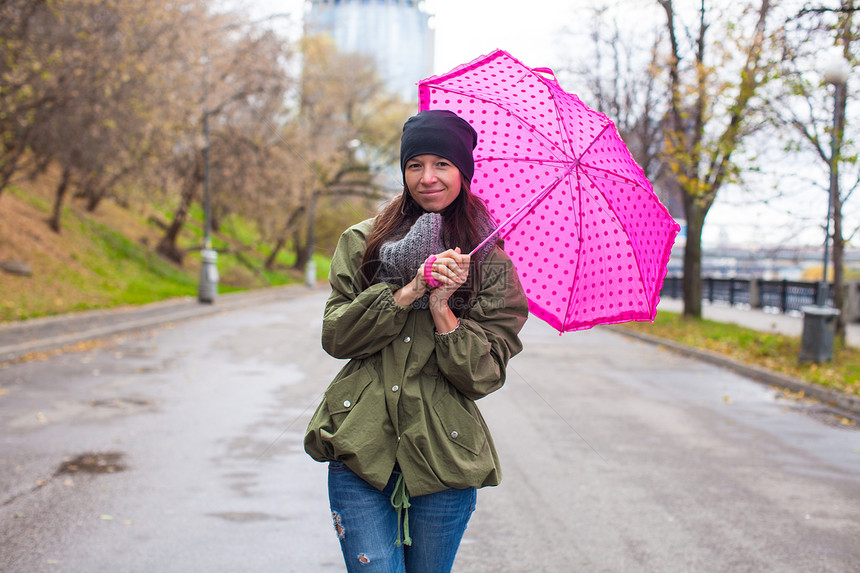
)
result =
(92, 463)
(120, 402)
(89, 463)
(827, 415)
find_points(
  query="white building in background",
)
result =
(395, 33)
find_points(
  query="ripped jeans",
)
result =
(367, 525)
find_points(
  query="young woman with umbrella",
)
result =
(427, 330)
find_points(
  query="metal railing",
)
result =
(783, 295)
(790, 296)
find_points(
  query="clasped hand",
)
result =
(451, 269)
(448, 271)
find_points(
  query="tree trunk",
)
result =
(838, 270)
(91, 193)
(62, 189)
(282, 237)
(306, 251)
(11, 156)
(167, 246)
(98, 189)
(93, 201)
(692, 280)
(300, 251)
(270, 260)
(837, 135)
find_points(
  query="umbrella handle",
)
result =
(428, 269)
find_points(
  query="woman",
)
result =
(428, 330)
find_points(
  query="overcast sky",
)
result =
(466, 29)
(529, 31)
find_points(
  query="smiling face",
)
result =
(433, 181)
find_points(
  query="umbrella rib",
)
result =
(528, 205)
(556, 162)
(609, 175)
(635, 251)
(611, 208)
(575, 280)
(594, 140)
(577, 161)
(548, 143)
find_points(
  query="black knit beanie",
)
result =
(441, 133)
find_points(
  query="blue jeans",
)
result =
(367, 525)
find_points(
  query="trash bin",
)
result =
(207, 290)
(819, 327)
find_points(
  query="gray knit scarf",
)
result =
(401, 258)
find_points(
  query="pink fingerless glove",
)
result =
(428, 269)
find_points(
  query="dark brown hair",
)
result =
(459, 229)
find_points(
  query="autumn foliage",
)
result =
(115, 96)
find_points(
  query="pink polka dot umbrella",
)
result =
(581, 222)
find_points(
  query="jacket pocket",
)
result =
(342, 396)
(459, 425)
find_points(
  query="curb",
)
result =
(126, 321)
(847, 402)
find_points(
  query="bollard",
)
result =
(207, 290)
(311, 274)
(819, 327)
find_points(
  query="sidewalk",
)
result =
(43, 334)
(765, 322)
(756, 319)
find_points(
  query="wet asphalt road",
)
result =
(617, 457)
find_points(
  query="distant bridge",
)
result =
(759, 262)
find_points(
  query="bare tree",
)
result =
(22, 69)
(242, 82)
(819, 121)
(84, 91)
(622, 76)
(343, 105)
(709, 116)
(116, 94)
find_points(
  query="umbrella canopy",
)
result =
(581, 222)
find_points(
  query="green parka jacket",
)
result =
(407, 394)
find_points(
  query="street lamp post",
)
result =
(207, 289)
(835, 71)
(819, 321)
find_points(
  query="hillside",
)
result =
(106, 258)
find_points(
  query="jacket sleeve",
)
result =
(356, 323)
(475, 356)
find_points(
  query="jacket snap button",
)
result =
(407, 339)
(347, 403)
(395, 388)
(454, 434)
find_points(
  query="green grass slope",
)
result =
(106, 259)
